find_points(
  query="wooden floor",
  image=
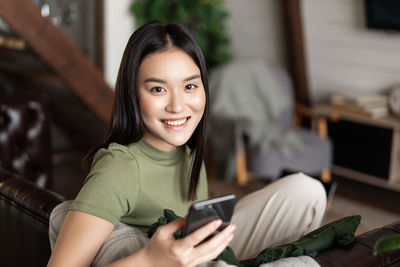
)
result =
(376, 206)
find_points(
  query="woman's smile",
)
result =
(176, 123)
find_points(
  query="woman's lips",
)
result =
(176, 123)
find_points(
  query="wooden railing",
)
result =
(60, 54)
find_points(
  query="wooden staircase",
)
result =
(37, 56)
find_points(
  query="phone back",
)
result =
(203, 212)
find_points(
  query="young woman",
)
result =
(152, 159)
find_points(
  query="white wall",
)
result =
(118, 27)
(342, 53)
(255, 27)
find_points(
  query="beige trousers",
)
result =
(277, 214)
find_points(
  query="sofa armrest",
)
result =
(359, 253)
(29, 198)
(24, 211)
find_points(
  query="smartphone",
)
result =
(203, 212)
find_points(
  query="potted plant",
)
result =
(205, 18)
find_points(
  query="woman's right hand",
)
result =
(164, 250)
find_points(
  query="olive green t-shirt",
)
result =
(135, 183)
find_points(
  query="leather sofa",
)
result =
(24, 215)
(24, 220)
(359, 253)
(25, 146)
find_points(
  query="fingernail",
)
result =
(232, 228)
(218, 223)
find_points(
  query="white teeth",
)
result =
(175, 122)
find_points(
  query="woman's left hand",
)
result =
(164, 250)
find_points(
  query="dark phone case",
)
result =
(203, 212)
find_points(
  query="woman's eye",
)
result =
(157, 89)
(190, 86)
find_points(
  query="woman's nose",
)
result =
(176, 103)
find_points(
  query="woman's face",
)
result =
(171, 98)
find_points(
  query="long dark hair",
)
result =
(126, 124)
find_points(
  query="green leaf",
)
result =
(387, 243)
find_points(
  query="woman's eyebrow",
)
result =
(157, 80)
(154, 80)
(195, 76)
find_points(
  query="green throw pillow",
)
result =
(339, 232)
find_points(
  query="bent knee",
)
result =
(300, 184)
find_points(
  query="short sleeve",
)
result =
(112, 187)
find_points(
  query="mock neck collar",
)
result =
(157, 154)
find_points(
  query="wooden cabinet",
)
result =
(365, 149)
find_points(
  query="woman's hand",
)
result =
(164, 250)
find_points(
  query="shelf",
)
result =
(365, 178)
(390, 122)
(354, 147)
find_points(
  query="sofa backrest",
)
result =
(24, 220)
(25, 146)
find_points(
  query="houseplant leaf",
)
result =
(205, 19)
(387, 243)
